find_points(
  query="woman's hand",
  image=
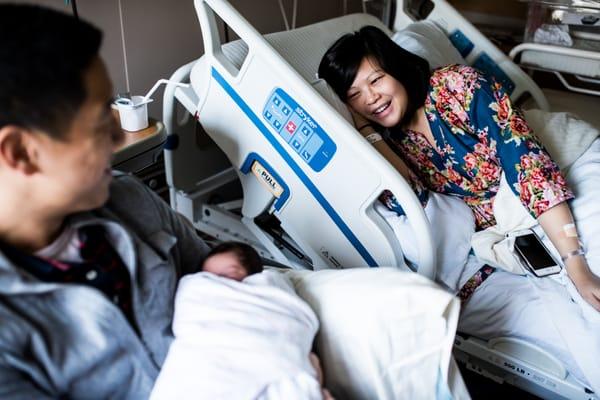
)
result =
(587, 284)
(557, 223)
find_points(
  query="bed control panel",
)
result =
(300, 131)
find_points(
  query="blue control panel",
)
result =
(461, 42)
(299, 130)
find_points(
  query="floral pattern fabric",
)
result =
(474, 282)
(478, 135)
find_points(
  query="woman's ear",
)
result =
(17, 150)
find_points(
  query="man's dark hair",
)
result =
(43, 58)
(245, 254)
(340, 64)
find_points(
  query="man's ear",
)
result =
(17, 150)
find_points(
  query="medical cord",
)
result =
(284, 14)
(73, 7)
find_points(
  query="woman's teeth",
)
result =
(381, 109)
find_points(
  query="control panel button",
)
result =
(303, 135)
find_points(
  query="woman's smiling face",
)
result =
(377, 95)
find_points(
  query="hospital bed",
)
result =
(310, 182)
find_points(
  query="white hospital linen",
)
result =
(452, 226)
(385, 334)
(239, 340)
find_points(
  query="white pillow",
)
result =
(428, 40)
(328, 94)
(384, 334)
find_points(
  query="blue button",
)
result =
(276, 101)
(305, 131)
(296, 144)
(277, 124)
(306, 155)
(285, 110)
(268, 115)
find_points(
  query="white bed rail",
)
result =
(261, 52)
(578, 59)
(451, 21)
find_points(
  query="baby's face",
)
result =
(225, 264)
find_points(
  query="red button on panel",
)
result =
(290, 127)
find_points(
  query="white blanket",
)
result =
(385, 334)
(239, 340)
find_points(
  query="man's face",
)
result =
(75, 171)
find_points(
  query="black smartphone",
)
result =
(535, 255)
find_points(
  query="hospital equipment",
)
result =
(573, 60)
(309, 179)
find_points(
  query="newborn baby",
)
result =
(233, 260)
(240, 333)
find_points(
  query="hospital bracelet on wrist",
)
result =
(574, 253)
(373, 138)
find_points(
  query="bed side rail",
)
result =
(477, 50)
(246, 90)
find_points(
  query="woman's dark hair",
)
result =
(44, 55)
(340, 64)
(245, 254)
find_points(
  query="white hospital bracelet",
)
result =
(577, 252)
(373, 138)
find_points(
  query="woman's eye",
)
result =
(353, 95)
(374, 81)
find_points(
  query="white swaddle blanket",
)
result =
(239, 340)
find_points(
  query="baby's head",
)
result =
(233, 260)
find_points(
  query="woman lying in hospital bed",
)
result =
(455, 131)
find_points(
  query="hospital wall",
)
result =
(145, 40)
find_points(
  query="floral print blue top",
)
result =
(478, 135)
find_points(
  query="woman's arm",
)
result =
(557, 223)
(367, 130)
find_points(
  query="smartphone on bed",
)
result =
(535, 255)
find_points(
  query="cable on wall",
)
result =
(124, 47)
(294, 13)
(73, 7)
(284, 15)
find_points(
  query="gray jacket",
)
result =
(70, 341)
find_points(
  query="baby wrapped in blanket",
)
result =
(240, 334)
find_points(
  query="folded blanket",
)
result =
(239, 340)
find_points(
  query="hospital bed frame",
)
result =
(295, 208)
